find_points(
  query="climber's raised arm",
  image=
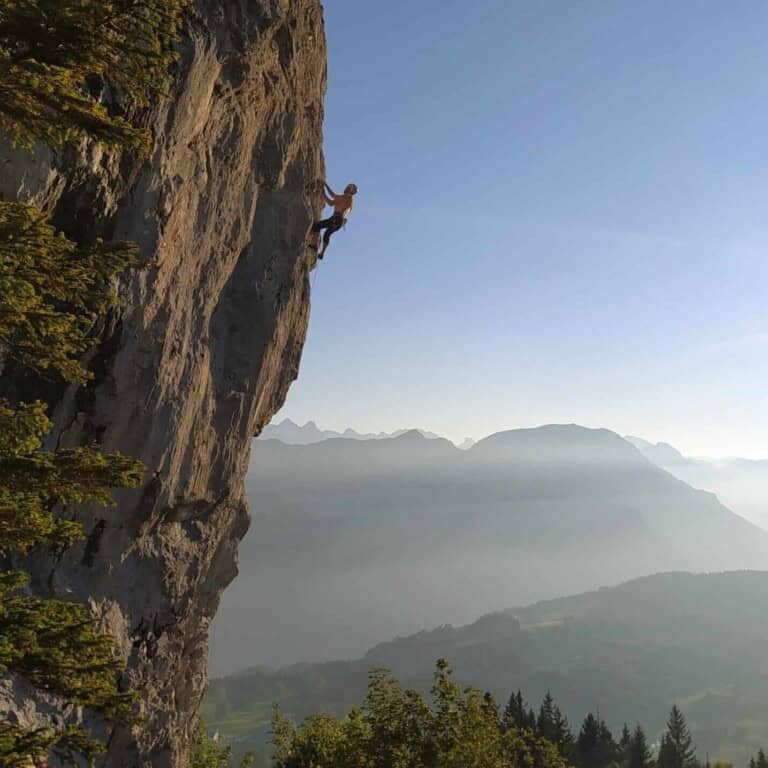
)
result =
(329, 195)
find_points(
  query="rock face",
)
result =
(205, 343)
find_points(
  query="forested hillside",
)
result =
(629, 652)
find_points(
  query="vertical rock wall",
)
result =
(203, 348)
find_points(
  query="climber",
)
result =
(342, 207)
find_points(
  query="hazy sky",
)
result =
(562, 217)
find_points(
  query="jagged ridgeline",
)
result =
(57, 61)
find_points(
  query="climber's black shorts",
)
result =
(330, 225)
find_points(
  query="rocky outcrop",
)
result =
(205, 343)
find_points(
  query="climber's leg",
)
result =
(336, 222)
(326, 240)
(317, 227)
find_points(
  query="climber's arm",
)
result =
(329, 195)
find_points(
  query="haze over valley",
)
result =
(357, 540)
(741, 484)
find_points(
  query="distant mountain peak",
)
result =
(560, 443)
(661, 454)
(411, 434)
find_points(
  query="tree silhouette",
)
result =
(677, 749)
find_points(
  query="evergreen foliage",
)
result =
(553, 726)
(54, 645)
(21, 747)
(545, 721)
(638, 753)
(61, 61)
(57, 58)
(677, 750)
(624, 740)
(401, 722)
(397, 727)
(517, 713)
(595, 745)
(50, 295)
(51, 291)
(209, 753)
(33, 481)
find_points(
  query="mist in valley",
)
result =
(357, 541)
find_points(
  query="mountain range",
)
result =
(741, 484)
(356, 540)
(291, 433)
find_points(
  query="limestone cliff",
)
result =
(201, 351)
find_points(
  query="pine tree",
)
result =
(561, 732)
(638, 754)
(626, 738)
(677, 750)
(553, 726)
(545, 723)
(762, 760)
(51, 51)
(667, 757)
(595, 746)
(517, 714)
(587, 741)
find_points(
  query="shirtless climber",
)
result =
(342, 207)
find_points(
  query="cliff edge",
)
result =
(202, 349)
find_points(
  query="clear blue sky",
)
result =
(562, 217)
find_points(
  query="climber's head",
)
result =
(350, 189)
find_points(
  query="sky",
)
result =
(561, 218)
